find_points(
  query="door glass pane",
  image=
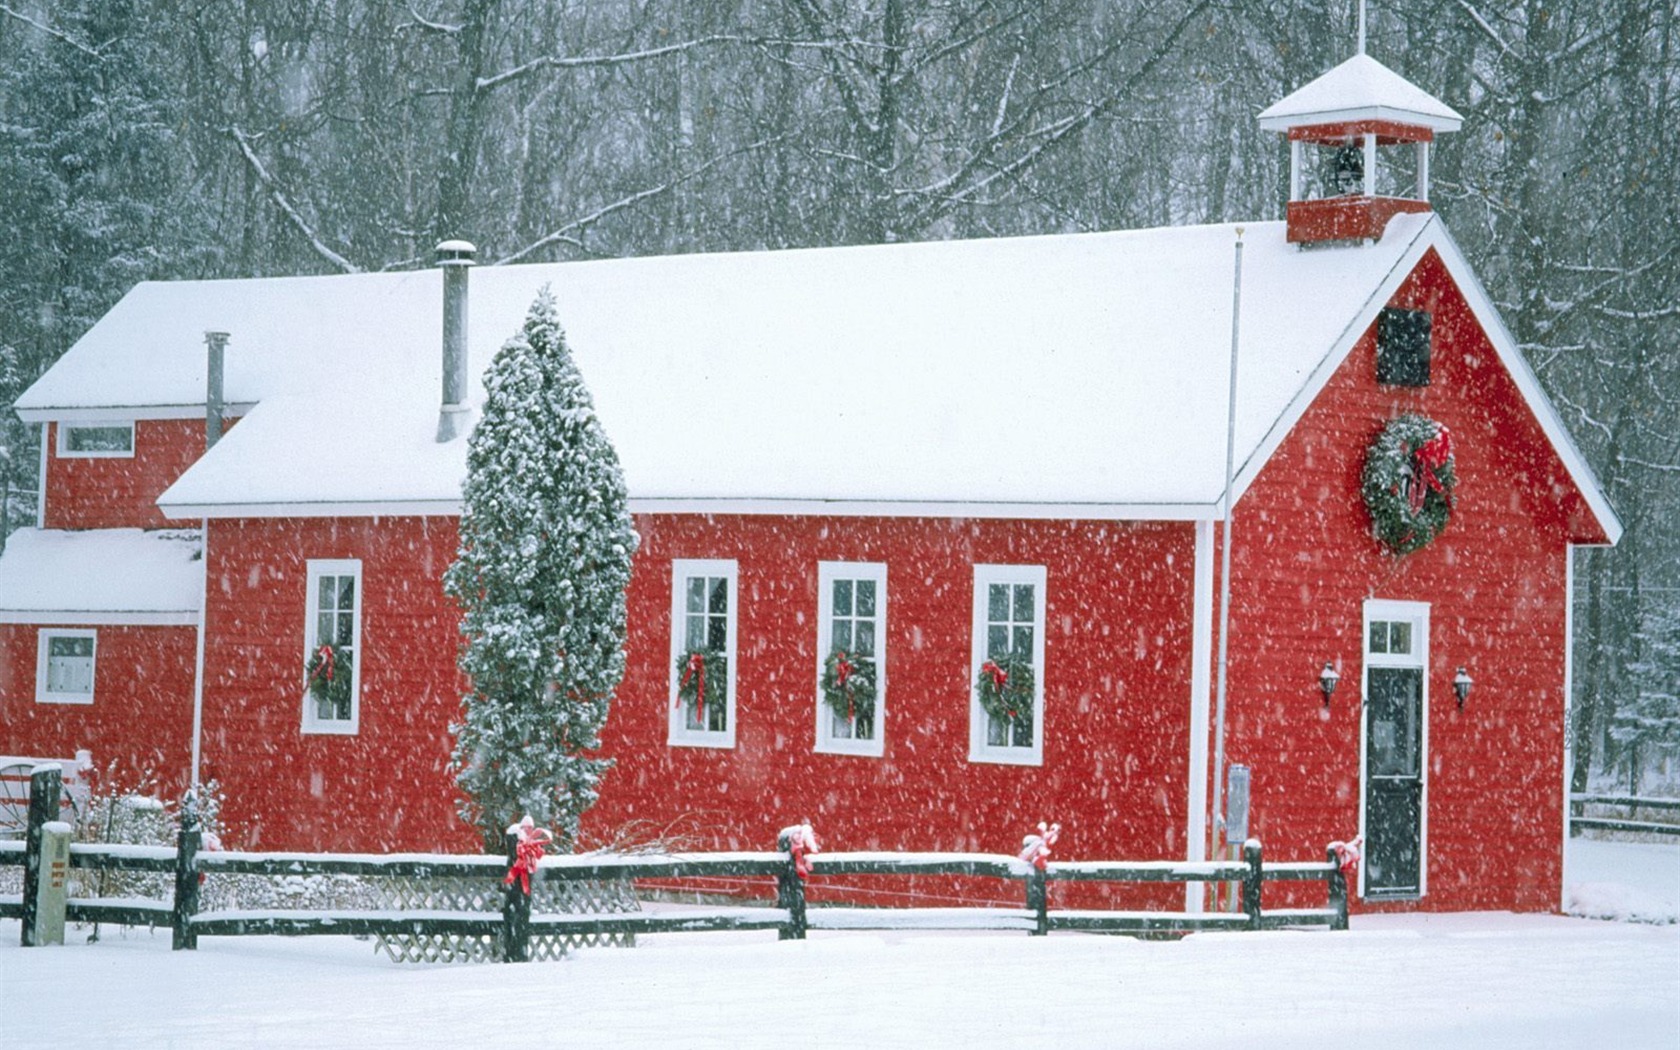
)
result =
(1378, 642)
(1394, 730)
(1400, 637)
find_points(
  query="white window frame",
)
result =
(62, 433)
(1416, 613)
(682, 569)
(978, 749)
(827, 573)
(43, 695)
(317, 568)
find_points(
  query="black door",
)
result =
(1393, 781)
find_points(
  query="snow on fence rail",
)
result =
(515, 926)
(1666, 808)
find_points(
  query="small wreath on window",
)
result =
(702, 677)
(1005, 688)
(1408, 483)
(848, 684)
(328, 678)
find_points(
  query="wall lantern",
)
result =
(1461, 686)
(1327, 680)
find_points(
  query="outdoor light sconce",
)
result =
(1327, 680)
(1461, 686)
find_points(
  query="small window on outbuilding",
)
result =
(1403, 347)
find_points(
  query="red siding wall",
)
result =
(384, 788)
(121, 492)
(139, 726)
(1305, 562)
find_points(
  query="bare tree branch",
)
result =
(285, 206)
(57, 34)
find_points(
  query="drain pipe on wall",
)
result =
(216, 347)
(1218, 815)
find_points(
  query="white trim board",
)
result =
(102, 618)
(97, 413)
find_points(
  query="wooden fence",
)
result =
(1634, 805)
(790, 917)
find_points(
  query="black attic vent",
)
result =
(1403, 347)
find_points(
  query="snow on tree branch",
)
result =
(280, 201)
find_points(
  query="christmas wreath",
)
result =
(328, 677)
(848, 684)
(702, 673)
(1408, 483)
(1005, 688)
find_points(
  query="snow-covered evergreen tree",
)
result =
(546, 542)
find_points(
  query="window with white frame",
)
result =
(64, 667)
(1008, 662)
(703, 598)
(851, 657)
(93, 440)
(332, 647)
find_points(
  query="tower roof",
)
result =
(1360, 89)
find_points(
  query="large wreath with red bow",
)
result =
(1005, 688)
(1408, 483)
(327, 678)
(848, 684)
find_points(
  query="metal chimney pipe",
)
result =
(454, 258)
(216, 343)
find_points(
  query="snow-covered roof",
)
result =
(101, 576)
(1360, 89)
(1079, 375)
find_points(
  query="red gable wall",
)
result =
(1305, 562)
(121, 491)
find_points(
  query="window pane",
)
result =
(717, 632)
(1024, 602)
(1400, 637)
(1022, 645)
(997, 732)
(345, 626)
(997, 602)
(842, 597)
(865, 726)
(696, 594)
(842, 635)
(1379, 637)
(346, 592)
(324, 629)
(326, 594)
(719, 602)
(694, 632)
(997, 641)
(69, 674)
(866, 597)
(866, 638)
(70, 646)
(838, 727)
(99, 439)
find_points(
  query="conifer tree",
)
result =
(546, 543)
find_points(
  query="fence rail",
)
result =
(790, 918)
(1578, 818)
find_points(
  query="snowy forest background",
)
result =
(233, 138)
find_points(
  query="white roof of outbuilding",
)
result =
(101, 576)
(1078, 375)
(1360, 89)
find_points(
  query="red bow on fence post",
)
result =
(532, 839)
(1347, 856)
(697, 671)
(1035, 847)
(1430, 456)
(801, 842)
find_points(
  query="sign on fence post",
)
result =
(45, 786)
(52, 887)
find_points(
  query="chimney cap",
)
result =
(456, 253)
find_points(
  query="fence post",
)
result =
(516, 909)
(187, 842)
(1338, 887)
(46, 784)
(1038, 900)
(790, 895)
(1251, 883)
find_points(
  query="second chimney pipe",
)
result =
(216, 343)
(454, 258)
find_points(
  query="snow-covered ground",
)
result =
(1473, 980)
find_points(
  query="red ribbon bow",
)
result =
(842, 671)
(1347, 857)
(1429, 457)
(697, 671)
(1036, 847)
(529, 852)
(999, 675)
(326, 664)
(802, 841)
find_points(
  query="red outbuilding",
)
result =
(994, 472)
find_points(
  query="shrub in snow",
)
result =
(546, 542)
